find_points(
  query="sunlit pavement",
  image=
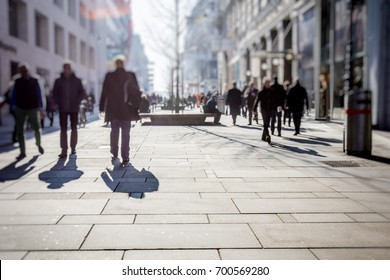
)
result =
(202, 192)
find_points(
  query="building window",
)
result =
(59, 3)
(59, 40)
(41, 31)
(17, 19)
(263, 3)
(72, 8)
(91, 57)
(83, 53)
(83, 15)
(72, 47)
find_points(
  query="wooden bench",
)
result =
(177, 119)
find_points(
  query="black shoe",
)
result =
(62, 155)
(41, 150)
(280, 134)
(21, 156)
(268, 139)
(249, 123)
(296, 133)
(125, 162)
(73, 152)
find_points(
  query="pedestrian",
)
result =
(267, 101)
(120, 101)
(7, 100)
(276, 113)
(68, 92)
(234, 101)
(252, 94)
(211, 107)
(296, 99)
(26, 101)
(91, 102)
(144, 106)
(286, 111)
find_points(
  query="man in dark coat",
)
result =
(267, 101)
(251, 98)
(296, 98)
(234, 101)
(68, 92)
(211, 107)
(120, 101)
(276, 113)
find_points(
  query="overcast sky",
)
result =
(152, 20)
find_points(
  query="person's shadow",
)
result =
(13, 172)
(134, 182)
(61, 173)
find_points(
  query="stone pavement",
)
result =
(203, 192)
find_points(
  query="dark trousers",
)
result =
(287, 115)
(297, 115)
(124, 127)
(266, 115)
(250, 114)
(64, 128)
(234, 111)
(276, 117)
(32, 116)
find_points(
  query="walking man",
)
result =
(26, 101)
(266, 98)
(276, 113)
(234, 101)
(252, 94)
(68, 92)
(296, 98)
(120, 101)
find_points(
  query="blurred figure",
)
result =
(252, 94)
(120, 100)
(7, 100)
(234, 101)
(296, 98)
(68, 92)
(211, 107)
(267, 101)
(26, 101)
(276, 114)
(51, 107)
(144, 105)
(91, 102)
(286, 111)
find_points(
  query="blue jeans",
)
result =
(124, 126)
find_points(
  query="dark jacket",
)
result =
(234, 100)
(26, 94)
(267, 100)
(296, 98)
(210, 106)
(280, 95)
(120, 89)
(251, 99)
(68, 93)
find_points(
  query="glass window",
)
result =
(41, 31)
(72, 47)
(72, 8)
(17, 15)
(59, 40)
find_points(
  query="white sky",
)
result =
(151, 20)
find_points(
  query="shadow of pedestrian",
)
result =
(61, 173)
(296, 149)
(13, 172)
(127, 179)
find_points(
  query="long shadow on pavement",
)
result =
(13, 172)
(132, 181)
(61, 173)
(296, 149)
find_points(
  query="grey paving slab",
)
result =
(324, 218)
(357, 184)
(312, 235)
(160, 172)
(368, 217)
(317, 205)
(12, 255)
(51, 207)
(266, 254)
(324, 172)
(10, 196)
(29, 220)
(287, 218)
(105, 195)
(167, 195)
(171, 219)
(261, 173)
(171, 206)
(276, 187)
(197, 236)
(329, 195)
(50, 196)
(353, 254)
(286, 195)
(74, 255)
(244, 219)
(188, 186)
(42, 237)
(96, 219)
(171, 255)
(379, 202)
(228, 195)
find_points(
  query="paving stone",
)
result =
(323, 235)
(357, 184)
(198, 236)
(105, 195)
(259, 173)
(244, 219)
(42, 237)
(10, 196)
(276, 187)
(29, 220)
(298, 206)
(51, 207)
(166, 195)
(324, 172)
(12, 255)
(187, 186)
(96, 219)
(368, 218)
(50, 196)
(286, 195)
(353, 254)
(177, 172)
(287, 218)
(323, 218)
(172, 206)
(74, 255)
(379, 202)
(228, 195)
(266, 254)
(329, 195)
(171, 219)
(171, 255)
